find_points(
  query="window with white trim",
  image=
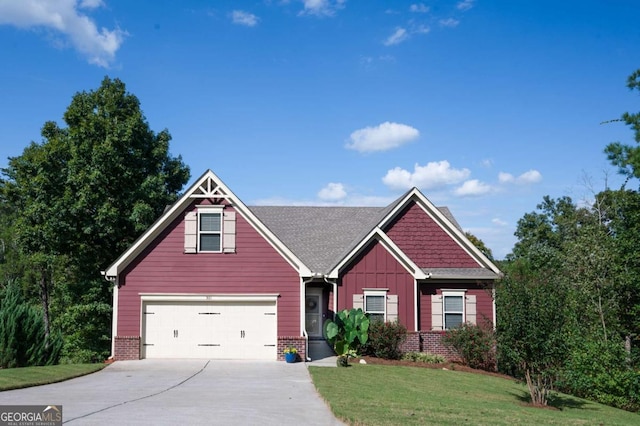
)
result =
(453, 309)
(375, 304)
(210, 230)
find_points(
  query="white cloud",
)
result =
(419, 8)
(332, 192)
(505, 177)
(244, 18)
(399, 35)
(465, 5)
(62, 16)
(433, 175)
(91, 4)
(322, 7)
(471, 188)
(499, 222)
(532, 176)
(382, 137)
(449, 22)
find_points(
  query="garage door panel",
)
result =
(223, 330)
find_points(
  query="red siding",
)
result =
(377, 268)
(256, 267)
(484, 301)
(425, 242)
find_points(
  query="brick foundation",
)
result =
(127, 348)
(427, 341)
(298, 342)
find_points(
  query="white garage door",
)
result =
(222, 330)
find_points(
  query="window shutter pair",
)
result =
(228, 232)
(391, 308)
(437, 322)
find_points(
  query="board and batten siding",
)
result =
(377, 268)
(255, 268)
(483, 300)
(425, 242)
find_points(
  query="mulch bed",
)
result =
(442, 366)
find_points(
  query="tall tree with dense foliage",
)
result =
(627, 157)
(84, 194)
(532, 325)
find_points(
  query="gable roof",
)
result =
(485, 270)
(322, 236)
(319, 240)
(207, 186)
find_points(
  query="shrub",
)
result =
(424, 357)
(22, 334)
(474, 344)
(598, 371)
(347, 333)
(385, 339)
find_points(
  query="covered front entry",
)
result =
(224, 329)
(314, 312)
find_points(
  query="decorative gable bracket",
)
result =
(209, 189)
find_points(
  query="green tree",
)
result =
(627, 157)
(85, 193)
(532, 326)
(623, 221)
(541, 234)
(22, 335)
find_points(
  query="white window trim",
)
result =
(454, 293)
(376, 292)
(209, 210)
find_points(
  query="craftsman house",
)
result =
(214, 278)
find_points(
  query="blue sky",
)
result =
(486, 106)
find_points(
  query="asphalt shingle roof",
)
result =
(322, 236)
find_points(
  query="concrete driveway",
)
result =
(186, 392)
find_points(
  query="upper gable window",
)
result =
(209, 231)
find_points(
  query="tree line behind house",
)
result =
(568, 307)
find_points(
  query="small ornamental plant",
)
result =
(290, 350)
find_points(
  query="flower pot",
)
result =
(290, 357)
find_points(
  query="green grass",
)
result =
(394, 395)
(16, 378)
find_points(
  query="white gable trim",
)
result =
(445, 224)
(207, 186)
(378, 235)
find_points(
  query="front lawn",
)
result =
(16, 378)
(397, 395)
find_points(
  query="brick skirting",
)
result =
(297, 342)
(126, 348)
(427, 341)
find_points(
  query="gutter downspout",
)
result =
(114, 313)
(493, 302)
